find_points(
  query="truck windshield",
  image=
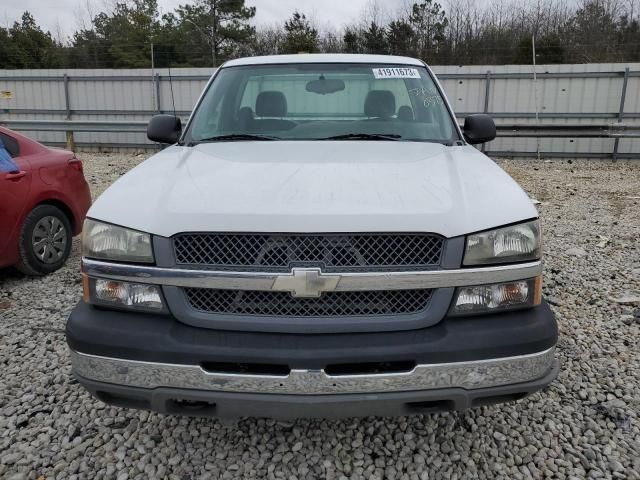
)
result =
(322, 102)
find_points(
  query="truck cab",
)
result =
(321, 239)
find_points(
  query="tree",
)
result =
(128, 32)
(330, 42)
(429, 23)
(300, 35)
(629, 36)
(89, 50)
(10, 56)
(120, 38)
(27, 46)
(223, 24)
(400, 38)
(207, 32)
(375, 39)
(593, 26)
(268, 41)
(548, 50)
(351, 40)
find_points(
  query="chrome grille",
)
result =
(267, 303)
(331, 252)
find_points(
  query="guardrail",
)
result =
(613, 130)
(75, 126)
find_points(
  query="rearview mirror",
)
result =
(324, 86)
(479, 128)
(164, 129)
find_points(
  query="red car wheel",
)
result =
(45, 240)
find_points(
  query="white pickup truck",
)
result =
(320, 240)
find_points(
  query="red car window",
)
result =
(6, 161)
(10, 144)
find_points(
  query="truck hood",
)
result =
(315, 186)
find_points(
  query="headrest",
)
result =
(380, 103)
(271, 104)
(405, 113)
(245, 117)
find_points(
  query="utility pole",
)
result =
(535, 91)
(214, 31)
(153, 76)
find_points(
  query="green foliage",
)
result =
(204, 32)
(428, 22)
(266, 41)
(352, 41)
(629, 38)
(400, 38)
(594, 24)
(331, 42)
(375, 39)
(222, 25)
(548, 50)
(127, 32)
(208, 32)
(25, 45)
(89, 50)
(300, 35)
(10, 56)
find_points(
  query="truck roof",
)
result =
(323, 58)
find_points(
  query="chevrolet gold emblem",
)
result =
(306, 282)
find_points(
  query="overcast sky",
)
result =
(65, 16)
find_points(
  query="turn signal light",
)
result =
(497, 297)
(123, 295)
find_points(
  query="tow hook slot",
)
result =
(230, 368)
(190, 407)
(369, 368)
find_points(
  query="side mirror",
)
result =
(164, 129)
(479, 128)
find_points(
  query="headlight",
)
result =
(110, 242)
(497, 297)
(517, 243)
(112, 293)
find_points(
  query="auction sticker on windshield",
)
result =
(396, 72)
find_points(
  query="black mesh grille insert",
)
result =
(252, 302)
(331, 252)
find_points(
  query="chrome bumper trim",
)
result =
(347, 281)
(467, 375)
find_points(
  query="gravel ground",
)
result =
(585, 425)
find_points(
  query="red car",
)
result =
(43, 200)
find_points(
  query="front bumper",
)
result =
(468, 375)
(208, 403)
(155, 362)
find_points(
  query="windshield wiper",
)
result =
(235, 136)
(364, 136)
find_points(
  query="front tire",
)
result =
(45, 241)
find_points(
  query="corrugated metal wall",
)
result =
(566, 94)
(127, 94)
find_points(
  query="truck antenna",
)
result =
(173, 102)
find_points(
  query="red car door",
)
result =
(14, 191)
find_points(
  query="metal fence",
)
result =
(590, 110)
